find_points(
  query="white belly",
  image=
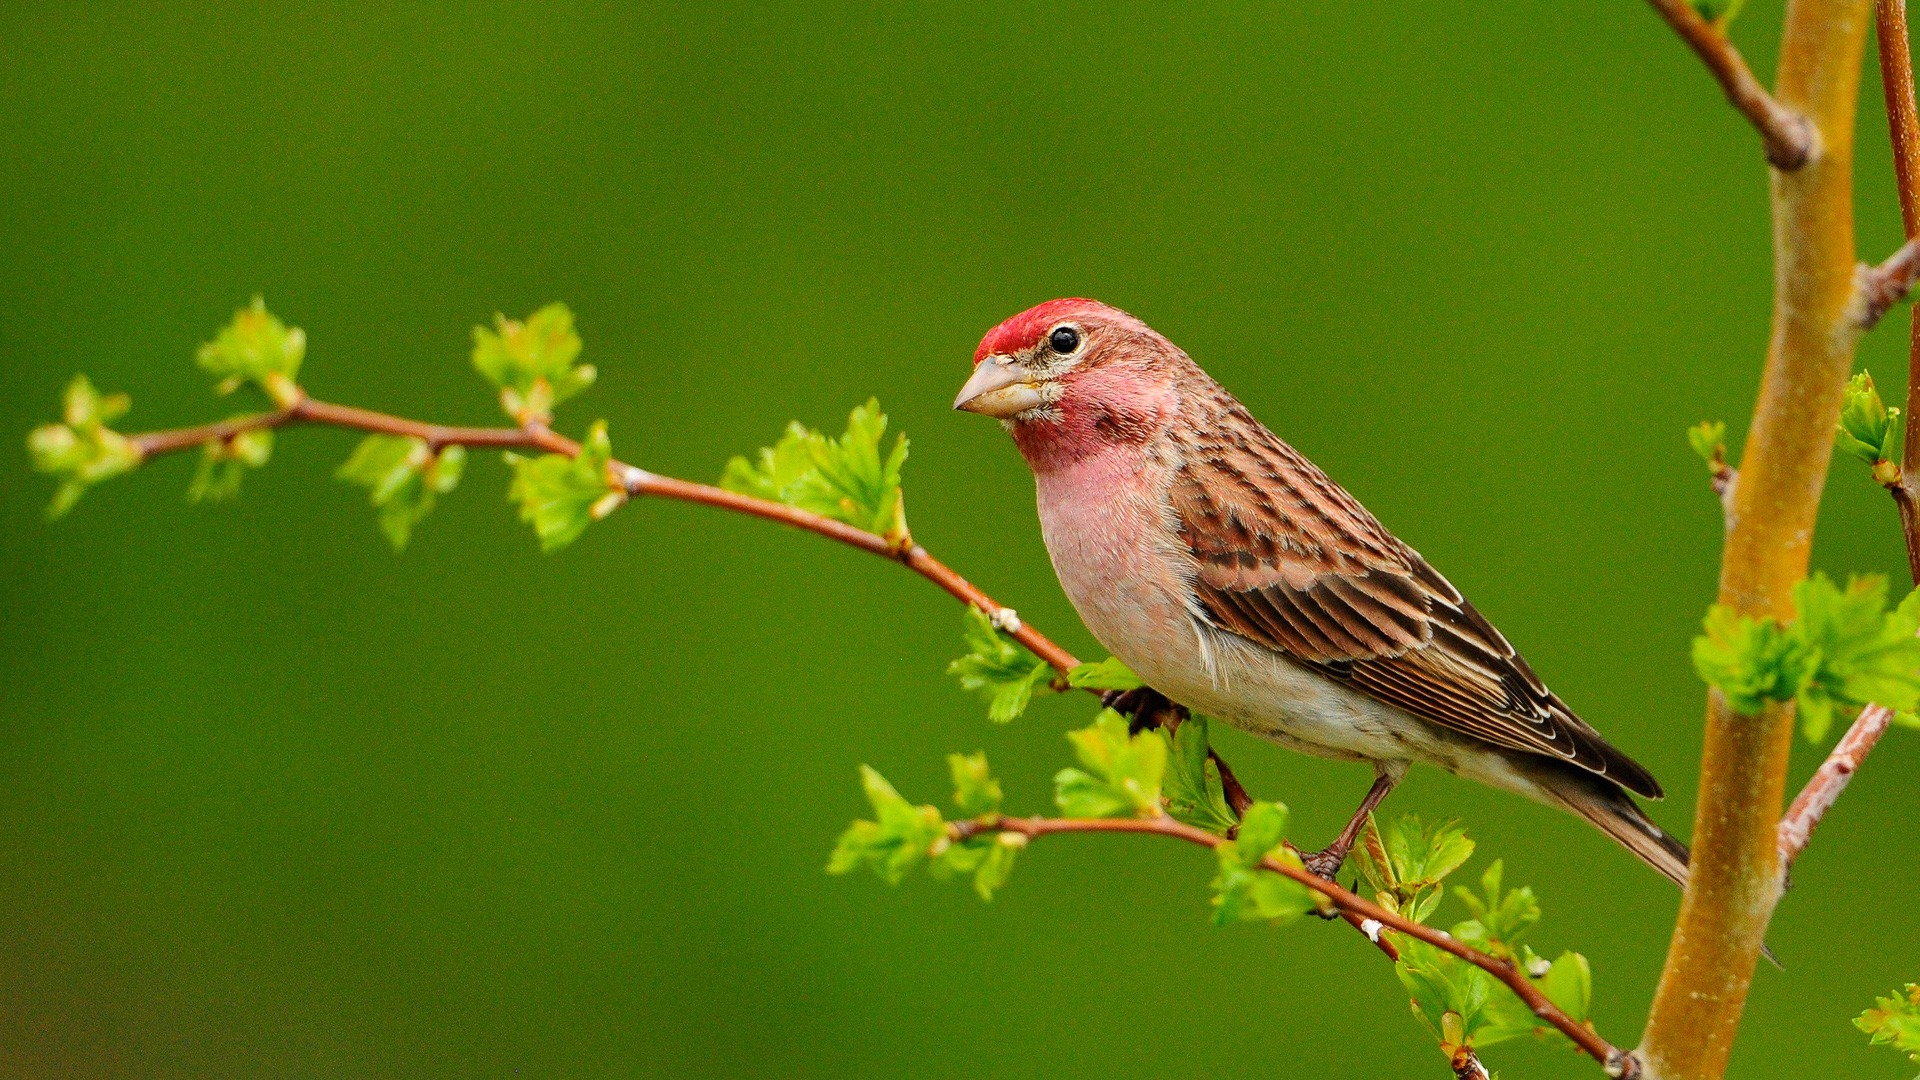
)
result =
(1126, 584)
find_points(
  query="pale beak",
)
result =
(999, 388)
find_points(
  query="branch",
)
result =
(1903, 124)
(1366, 916)
(1903, 129)
(625, 478)
(1736, 871)
(1830, 780)
(1790, 140)
(1880, 287)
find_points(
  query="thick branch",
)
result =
(1796, 828)
(1367, 916)
(1789, 139)
(632, 480)
(1736, 871)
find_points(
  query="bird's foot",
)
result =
(1324, 864)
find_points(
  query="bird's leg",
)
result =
(1145, 709)
(1326, 862)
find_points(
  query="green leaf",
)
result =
(1122, 772)
(1709, 439)
(998, 865)
(897, 840)
(1438, 983)
(975, 791)
(998, 668)
(1868, 430)
(82, 450)
(1751, 661)
(223, 464)
(1499, 918)
(403, 477)
(256, 347)
(560, 495)
(1862, 652)
(532, 362)
(1895, 1022)
(1243, 891)
(987, 858)
(1407, 860)
(848, 479)
(1193, 791)
(1569, 984)
(1108, 674)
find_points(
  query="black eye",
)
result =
(1064, 340)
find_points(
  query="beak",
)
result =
(999, 388)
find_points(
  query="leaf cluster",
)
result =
(256, 347)
(1007, 675)
(1844, 651)
(1895, 1022)
(1191, 787)
(1244, 890)
(1499, 918)
(560, 495)
(998, 668)
(1407, 863)
(902, 836)
(224, 463)
(82, 450)
(1121, 773)
(532, 362)
(848, 478)
(403, 476)
(1869, 430)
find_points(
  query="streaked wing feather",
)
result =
(1287, 559)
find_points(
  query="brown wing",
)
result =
(1289, 560)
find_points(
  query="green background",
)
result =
(275, 802)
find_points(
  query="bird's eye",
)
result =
(1064, 340)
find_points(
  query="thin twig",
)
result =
(1903, 130)
(1814, 800)
(1878, 288)
(1789, 139)
(1350, 905)
(632, 480)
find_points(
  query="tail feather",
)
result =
(1614, 812)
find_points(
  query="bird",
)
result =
(1236, 578)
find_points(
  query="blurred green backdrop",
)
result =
(275, 802)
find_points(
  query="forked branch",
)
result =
(1790, 140)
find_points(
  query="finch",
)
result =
(1235, 578)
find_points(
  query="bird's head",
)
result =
(1071, 377)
